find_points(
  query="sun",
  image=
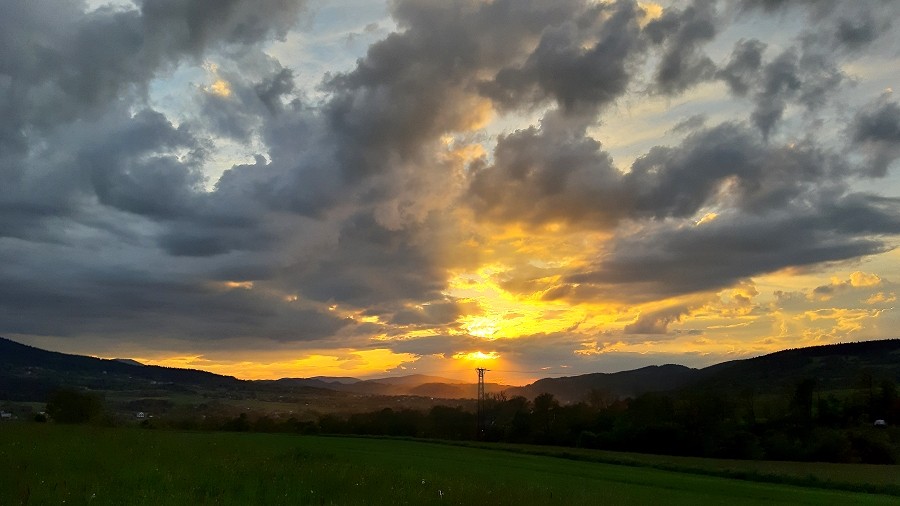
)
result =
(477, 356)
(484, 327)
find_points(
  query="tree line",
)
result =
(803, 423)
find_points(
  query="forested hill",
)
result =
(620, 384)
(832, 366)
(29, 373)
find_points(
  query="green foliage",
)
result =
(53, 464)
(72, 406)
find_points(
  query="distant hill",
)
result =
(833, 366)
(412, 384)
(413, 380)
(337, 379)
(620, 384)
(128, 361)
(29, 374)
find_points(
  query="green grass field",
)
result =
(52, 464)
(854, 477)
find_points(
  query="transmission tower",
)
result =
(480, 417)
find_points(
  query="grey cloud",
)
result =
(105, 220)
(94, 57)
(856, 33)
(691, 123)
(876, 130)
(85, 297)
(438, 313)
(656, 322)
(682, 34)
(271, 90)
(560, 67)
(742, 68)
(191, 26)
(556, 174)
(851, 26)
(408, 89)
(136, 167)
(679, 181)
(665, 261)
(370, 266)
(545, 175)
(779, 81)
(818, 7)
(808, 78)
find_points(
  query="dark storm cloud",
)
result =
(657, 322)
(810, 72)
(806, 77)
(690, 124)
(94, 176)
(61, 60)
(191, 26)
(876, 130)
(86, 297)
(787, 206)
(679, 181)
(849, 26)
(272, 90)
(682, 33)
(670, 261)
(108, 225)
(856, 33)
(134, 169)
(560, 67)
(547, 174)
(370, 266)
(62, 64)
(741, 70)
(555, 174)
(439, 313)
(414, 85)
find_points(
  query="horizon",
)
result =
(458, 380)
(297, 188)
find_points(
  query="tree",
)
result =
(72, 406)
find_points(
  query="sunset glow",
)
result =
(283, 189)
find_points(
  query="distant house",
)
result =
(5, 415)
(880, 423)
(140, 414)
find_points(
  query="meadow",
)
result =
(56, 464)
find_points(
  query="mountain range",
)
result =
(30, 374)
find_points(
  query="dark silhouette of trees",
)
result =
(72, 406)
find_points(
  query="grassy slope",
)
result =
(858, 477)
(46, 464)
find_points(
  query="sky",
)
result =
(295, 188)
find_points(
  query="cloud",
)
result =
(656, 322)
(581, 63)
(857, 280)
(660, 261)
(742, 68)
(681, 33)
(165, 175)
(876, 131)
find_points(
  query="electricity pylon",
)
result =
(480, 417)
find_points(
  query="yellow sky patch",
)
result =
(652, 11)
(219, 86)
(344, 362)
